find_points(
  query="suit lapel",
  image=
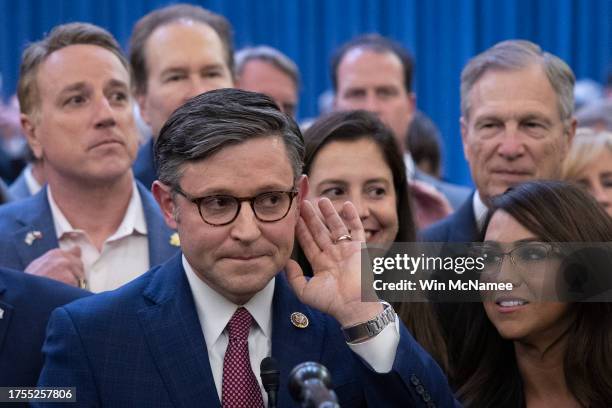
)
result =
(175, 338)
(159, 235)
(465, 228)
(292, 345)
(37, 236)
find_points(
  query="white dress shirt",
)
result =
(480, 210)
(124, 255)
(33, 185)
(410, 166)
(215, 311)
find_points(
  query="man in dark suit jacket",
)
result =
(193, 45)
(27, 231)
(460, 226)
(516, 125)
(230, 183)
(509, 137)
(92, 225)
(26, 302)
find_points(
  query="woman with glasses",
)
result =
(352, 156)
(529, 347)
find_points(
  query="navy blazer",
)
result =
(460, 226)
(5, 195)
(454, 317)
(144, 165)
(19, 188)
(19, 220)
(143, 345)
(26, 302)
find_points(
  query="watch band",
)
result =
(366, 330)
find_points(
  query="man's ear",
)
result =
(302, 187)
(571, 132)
(30, 130)
(411, 102)
(141, 99)
(163, 196)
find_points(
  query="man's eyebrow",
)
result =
(212, 66)
(174, 69)
(79, 86)
(535, 116)
(117, 83)
(488, 117)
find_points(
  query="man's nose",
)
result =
(372, 103)
(105, 114)
(512, 145)
(246, 226)
(197, 86)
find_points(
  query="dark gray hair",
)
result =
(214, 120)
(514, 55)
(271, 56)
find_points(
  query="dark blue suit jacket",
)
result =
(34, 214)
(460, 226)
(143, 345)
(454, 317)
(19, 188)
(144, 166)
(26, 302)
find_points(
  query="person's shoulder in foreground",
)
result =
(143, 342)
(26, 302)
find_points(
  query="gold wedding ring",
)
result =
(345, 237)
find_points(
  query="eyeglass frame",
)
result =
(551, 250)
(197, 200)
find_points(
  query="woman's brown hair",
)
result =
(419, 318)
(486, 373)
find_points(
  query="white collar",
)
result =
(215, 311)
(133, 219)
(33, 184)
(410, 166)
(480, 210)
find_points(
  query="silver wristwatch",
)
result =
(366, 330)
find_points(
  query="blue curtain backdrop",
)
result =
(442, 35)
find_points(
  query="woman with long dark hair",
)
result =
(521, 352)
(352, 156)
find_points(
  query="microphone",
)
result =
(309, 384)
(270, 378)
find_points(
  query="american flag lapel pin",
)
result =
(32, 236)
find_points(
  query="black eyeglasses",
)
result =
(219, 210)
